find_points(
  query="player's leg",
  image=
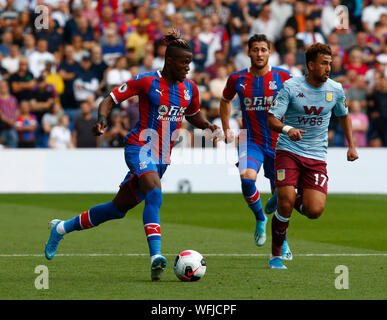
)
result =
(313, 203)
(150, 186)
(286, 178)
(271, 204)
(249, 166)
(125, 199)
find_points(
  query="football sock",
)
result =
(91, 218)
(252, 197)
(151, 220)
(279, 225)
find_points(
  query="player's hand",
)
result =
(229, 135)
(295, 134)
(99, 127)
(352, 154)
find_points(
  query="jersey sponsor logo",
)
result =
(171, 113)
(329, 96)
(313, 109)
(313, 121)
(123, 88)
(259, 103)
(186, 95)
(272, 85)
(281, 174)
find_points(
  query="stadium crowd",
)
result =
(53, 78)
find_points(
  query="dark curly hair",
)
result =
(312, 52)
(173, 40)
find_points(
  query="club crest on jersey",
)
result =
(186, 95)
(272, 85)
(247, 101)
(281, 174)
(329, 96)
(122, 88)
(163, 110)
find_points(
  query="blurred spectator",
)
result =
(82, 135)
(377, 112)
(216, 88)
(53, 37)
(367, 53)
(62, 14)
(281, 11)
(333, 42)
(290, 64)
(371, 14)
(6, 42)
(43, 96)
(8, 16)
(282, 45)
(119, 74)
(242, 60)
(310, 36)
(28, 45)
(50, 119)
(298, 20)
(222, 32)
(199, 49)
(78, 51)
(212, 39)
(68, 69)
(53, 78)
(137, 40)
(22, 82)
(60, 135)
(355, 62)
(90, 13)
(37, 59)
(115, 133)
(26, 125)
(337, 71)
(265, 24)
(147, 64)
(243, 14)
(11, 61)
(217, 7)
(220, 60)
(86, 82)
(359, 124)
(86, 33)
(112, 49)
(329, 18)
(8, 113)
(358, 91)
(99, 67)
(158, 61)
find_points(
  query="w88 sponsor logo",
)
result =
(312, 121)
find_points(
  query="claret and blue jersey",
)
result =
(256, 95)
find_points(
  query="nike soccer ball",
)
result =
(189, 265)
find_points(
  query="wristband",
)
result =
(286, 129)
(101, 118)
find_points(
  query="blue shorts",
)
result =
(139, 163)
(253, 158)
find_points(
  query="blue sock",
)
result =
(151, 220)
(93, 217)
(252, 197)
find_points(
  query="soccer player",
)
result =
(164, 98)
(306, 102)
(256, 88)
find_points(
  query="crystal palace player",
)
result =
(307, 103)
(256, 89)
(164, 98)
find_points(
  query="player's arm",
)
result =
(277, 111)
(103, 110)
(198, 121)
(346, 125)
(225, 112)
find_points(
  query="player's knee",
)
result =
(313, 212)
(154, 197)
(285, 203)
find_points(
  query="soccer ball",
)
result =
(189, 265)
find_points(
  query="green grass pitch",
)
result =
(111, 261)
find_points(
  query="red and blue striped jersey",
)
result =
(162, 106)
(256, 95)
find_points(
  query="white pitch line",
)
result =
(204, 254)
